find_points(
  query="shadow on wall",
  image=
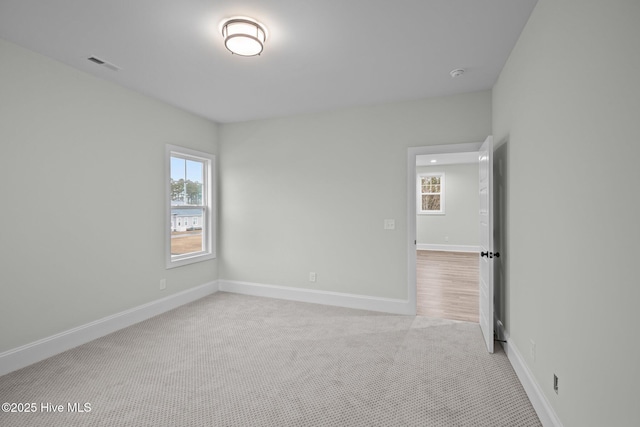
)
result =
(501, 289)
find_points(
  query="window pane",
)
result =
(187, 178)
(430, 203)
(430, 184)
(186, 231)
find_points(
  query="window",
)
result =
(190, 190)
(431, 193)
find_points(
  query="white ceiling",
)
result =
(447, 159)
(320, 55)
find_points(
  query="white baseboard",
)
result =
(28, 354)
(543, 408)
(447, 248)
(387, 305)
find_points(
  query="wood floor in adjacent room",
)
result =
(447, 285)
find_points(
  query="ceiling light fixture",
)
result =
(244, 36)
(434, 161)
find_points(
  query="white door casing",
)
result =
(486, 241)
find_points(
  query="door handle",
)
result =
(490, 254)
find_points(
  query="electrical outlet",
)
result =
(163, 284)
(532, 350)
(313, 277)
(446, 238)
(389, 224)
(555, 383)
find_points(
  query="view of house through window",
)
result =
(187, 209)
(190, 186)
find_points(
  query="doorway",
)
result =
(443, 263)
(447, 236)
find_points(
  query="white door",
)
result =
(486, 241)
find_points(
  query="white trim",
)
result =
(362, 302)
(543, 408)
(447, 248)
(28, 354)
(412, 152)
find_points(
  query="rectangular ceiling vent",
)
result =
(109, 65)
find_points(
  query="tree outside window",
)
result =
(431, 193)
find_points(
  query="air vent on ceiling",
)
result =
(104, 63)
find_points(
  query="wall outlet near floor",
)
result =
(163, 284)
(555, 383)
(313, 277)
(446, 238)
(389, 224)
(532, 350)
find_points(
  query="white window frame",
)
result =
(209, 203)
(419, 193)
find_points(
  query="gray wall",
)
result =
(460, 221)
(566, 112)
(82, 176)
(311, 192)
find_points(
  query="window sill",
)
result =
(189, 260)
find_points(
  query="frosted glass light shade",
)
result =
(244, 36)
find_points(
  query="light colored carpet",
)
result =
(235, 360)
